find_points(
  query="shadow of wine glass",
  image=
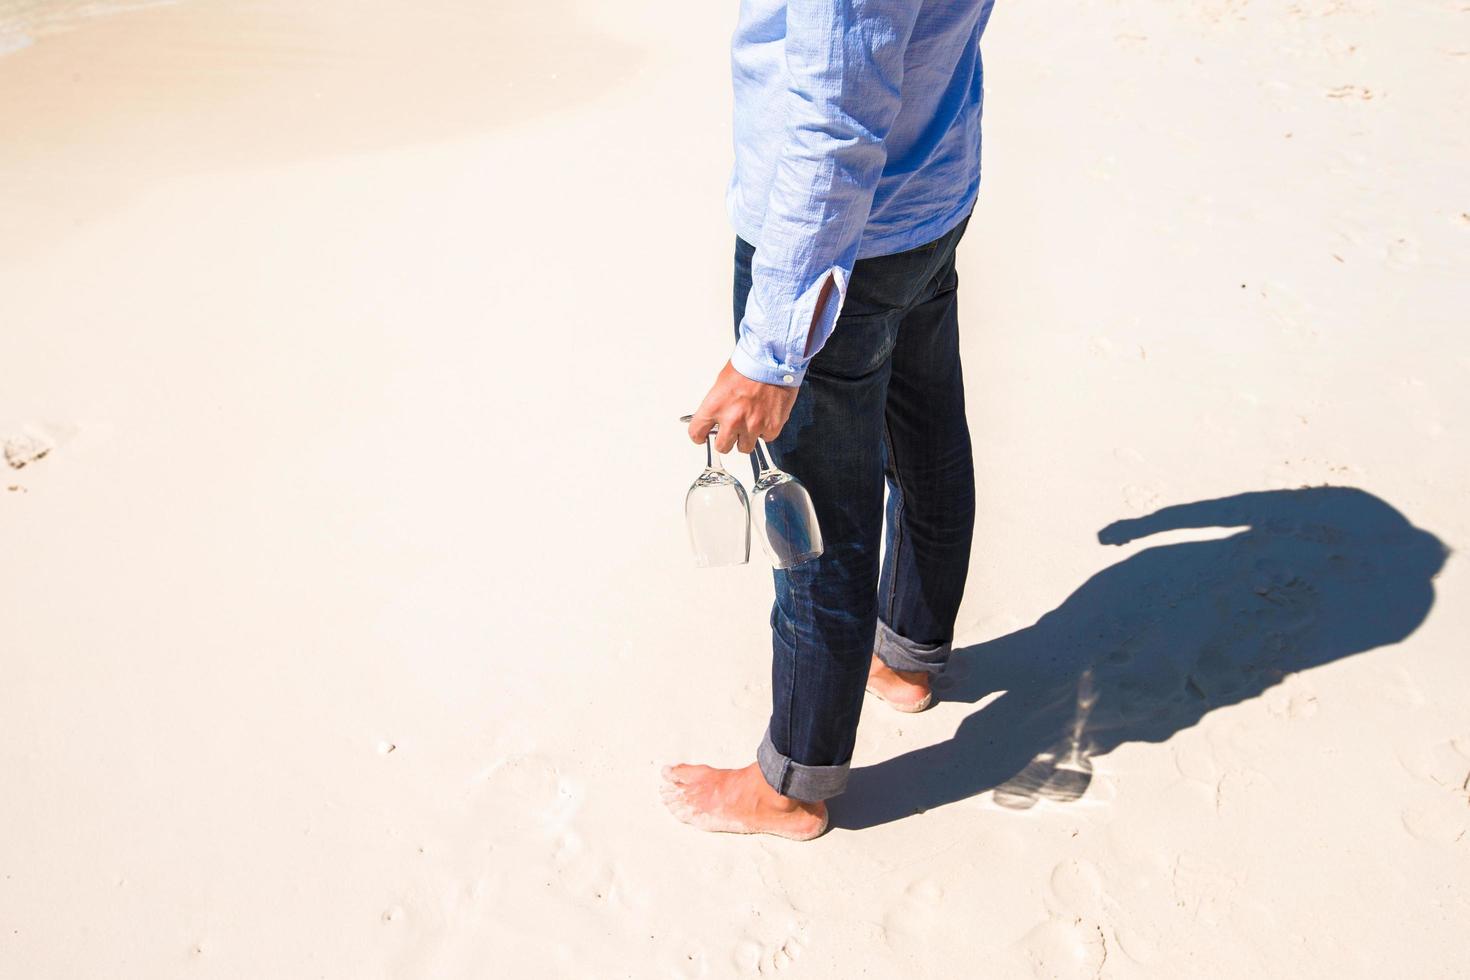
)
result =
(1148, 646)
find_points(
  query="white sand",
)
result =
(348, 614)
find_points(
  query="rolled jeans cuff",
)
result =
(901, 653)
(800, 782)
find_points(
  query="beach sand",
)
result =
(348, 610)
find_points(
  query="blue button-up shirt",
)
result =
(857, 133)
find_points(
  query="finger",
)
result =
(699, 428)
(725, 438)
(747, 442)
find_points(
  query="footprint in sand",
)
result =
(775, 935)
(536, 809)
(1195, 758)
(1292, 701)
(584, 874)
(1445, 763)
(908, 924)
(1075, 889)
(1062, 950)
(1437, 823)
(758, 958)
(1445, 817)
(1205, 887)
(1079, 933)
(1397, 685)
(1238, 786)
(1201, 758)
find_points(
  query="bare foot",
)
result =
(738, 801)
(906, 690)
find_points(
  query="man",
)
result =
(857, 163)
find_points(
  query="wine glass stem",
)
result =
(762, 456)
(712, 458)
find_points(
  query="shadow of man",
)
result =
(1147, 646)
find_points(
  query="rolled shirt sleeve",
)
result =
(844, 65)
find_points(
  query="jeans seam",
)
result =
(898, 512)
(790, 697)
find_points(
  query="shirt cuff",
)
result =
(765, 372)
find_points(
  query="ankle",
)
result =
(912, 676)
(784, 804)
(909, 676)
(790, 805)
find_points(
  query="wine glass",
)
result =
(717, 513)
(789, 529)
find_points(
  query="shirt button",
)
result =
(789, 378)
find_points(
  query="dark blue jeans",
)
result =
(882, 403)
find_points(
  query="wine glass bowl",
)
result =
(717, 515)
(717, 502)
(789, 529)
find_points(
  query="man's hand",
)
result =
(744, 408)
